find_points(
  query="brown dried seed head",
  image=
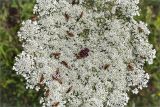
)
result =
(55, 104)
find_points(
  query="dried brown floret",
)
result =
(34, 18)
(81, 15)
(75, 2)
(57, 76)
(65, 64)
(140, 29)
(106, 66)
(66, 16)
(47, 93)
(55, 104)
(69, 89)
(42, 78)
(70, 34)
(56, 55)
(130, 67)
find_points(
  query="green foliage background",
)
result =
(12, 87)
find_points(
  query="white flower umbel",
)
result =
(84, 53)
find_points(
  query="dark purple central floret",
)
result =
(83, 53)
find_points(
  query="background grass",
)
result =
(12, 87)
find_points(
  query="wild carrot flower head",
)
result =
(84, 53)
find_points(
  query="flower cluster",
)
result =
(84, 53)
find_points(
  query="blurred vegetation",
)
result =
(12, 87)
